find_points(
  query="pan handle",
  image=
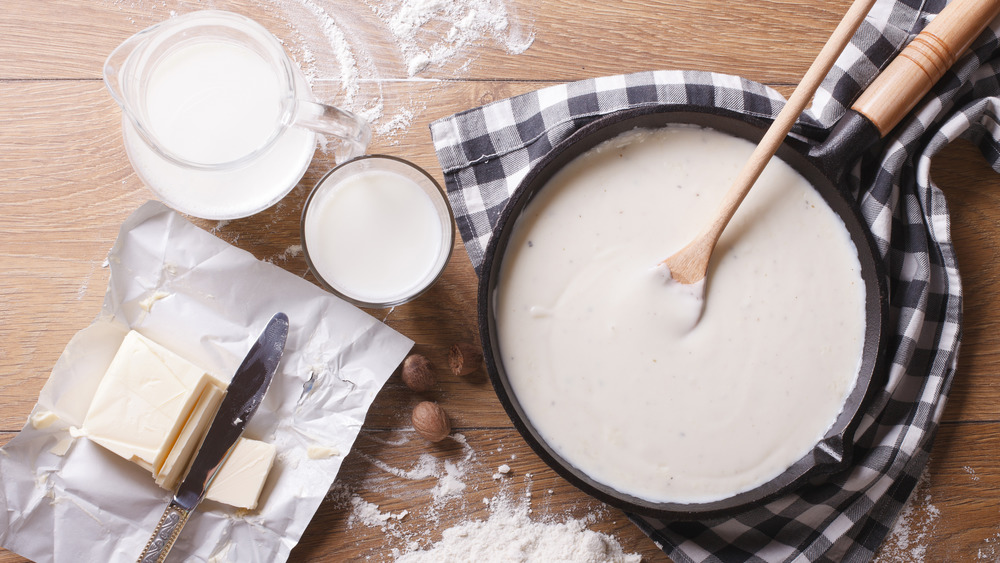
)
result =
(924, 61)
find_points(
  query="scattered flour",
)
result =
(370, 514)
(501, 471)
(400, 122)
(450, 484)
(990, 549)
(349, 76)
(433, 32)
(450, 474)
(971, 472)
(425, 468)
(333, 44)
(914, 528)
(503, 529)
(375, 437)
(511, 536)
(291, 252)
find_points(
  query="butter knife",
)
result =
(246, 390)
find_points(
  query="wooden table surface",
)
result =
(66, 186)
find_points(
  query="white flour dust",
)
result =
(421, 34)
(914, 528)
(971, 472)
(501, 471)
(370, 514)
(432, 32)
(503, 530)
(990, 549)
(509, 535)
(449, 474)
(292, 251)
(349, 51)
(450, 484)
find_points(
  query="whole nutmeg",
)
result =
(418, 373)
(430, 421)
(464, 359)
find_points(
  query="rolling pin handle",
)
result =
(923, 62)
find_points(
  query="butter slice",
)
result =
(321, 452)
(175, 465)
(43, 419)
(241, 479)
(143, 401)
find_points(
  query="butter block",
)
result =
(175, 465)
(143, 401)
(241, 479)
(154, 408)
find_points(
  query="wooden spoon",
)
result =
(690, 264)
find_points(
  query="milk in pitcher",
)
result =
(217, 120)
(210, 103)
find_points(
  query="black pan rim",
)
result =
(833, 453)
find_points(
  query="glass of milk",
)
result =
(216, 118)
(377, 231)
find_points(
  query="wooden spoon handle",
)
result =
(924, 61)
(690, 264)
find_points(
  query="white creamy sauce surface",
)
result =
(608, 357)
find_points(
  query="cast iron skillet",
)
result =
(832, 454)
(823, 165)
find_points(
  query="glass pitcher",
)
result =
(216, 118)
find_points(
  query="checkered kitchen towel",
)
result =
(486, 151)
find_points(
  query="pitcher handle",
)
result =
(352, 130)
(116, 61)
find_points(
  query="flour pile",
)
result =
(434, 489)
(510, 536)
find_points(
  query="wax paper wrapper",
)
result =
(65, 499)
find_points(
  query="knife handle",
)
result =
(163, 538)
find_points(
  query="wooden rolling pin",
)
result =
(923, 62)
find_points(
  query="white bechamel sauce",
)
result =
(374, 236)
(623, 372)
(209, 103)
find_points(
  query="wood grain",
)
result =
(67, 186)
(970, 187)
(948, 517)
(572, 39)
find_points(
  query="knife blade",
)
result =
(245, 392)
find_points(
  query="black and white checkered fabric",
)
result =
(486, 151)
